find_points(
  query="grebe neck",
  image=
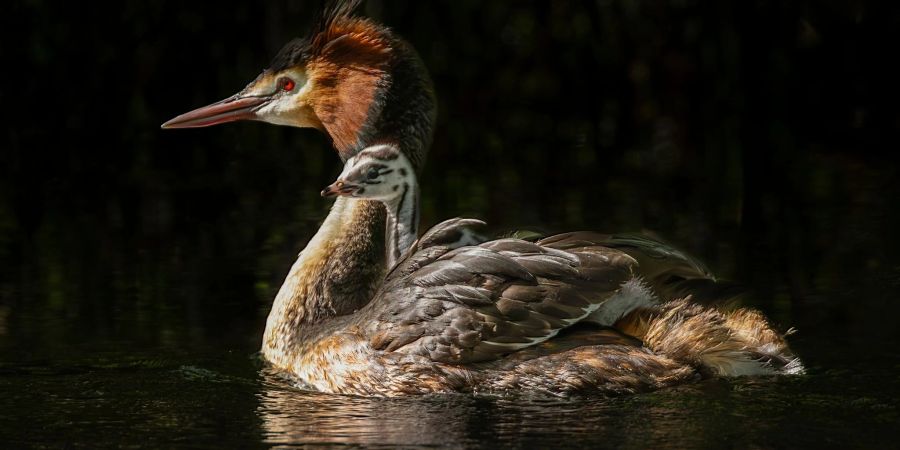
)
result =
(336, 274)
(402, 227)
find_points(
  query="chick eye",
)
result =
(287, 84)
(372, 173)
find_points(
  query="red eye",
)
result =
(287, 84)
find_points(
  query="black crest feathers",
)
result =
(333, 13)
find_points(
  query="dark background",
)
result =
(759, 135)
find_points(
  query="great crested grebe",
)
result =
(500, 316)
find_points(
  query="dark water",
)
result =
(137, 266)
(163, 397)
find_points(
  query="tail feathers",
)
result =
(736, 343)
(770, 346)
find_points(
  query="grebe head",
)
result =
(380, 173)
(350, 77)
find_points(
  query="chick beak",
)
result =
(339, 188)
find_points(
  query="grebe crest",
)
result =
(350, 77)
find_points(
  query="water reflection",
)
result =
(745, 412)
(293, 416)
(160, 403)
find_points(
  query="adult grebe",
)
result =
(492, 317)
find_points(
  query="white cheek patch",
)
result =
(380, 192)
(279, 111)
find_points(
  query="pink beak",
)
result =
(231, 109)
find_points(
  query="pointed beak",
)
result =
(231, 109)
(339, 188)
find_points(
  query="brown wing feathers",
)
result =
(670, 272)
(436, 242)
(478, 303)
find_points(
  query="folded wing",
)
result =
(477, 303)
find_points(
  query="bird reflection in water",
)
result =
(293, 416)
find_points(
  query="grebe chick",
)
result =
(384, 174)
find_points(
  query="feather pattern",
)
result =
(669, 272)
(478, 303)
